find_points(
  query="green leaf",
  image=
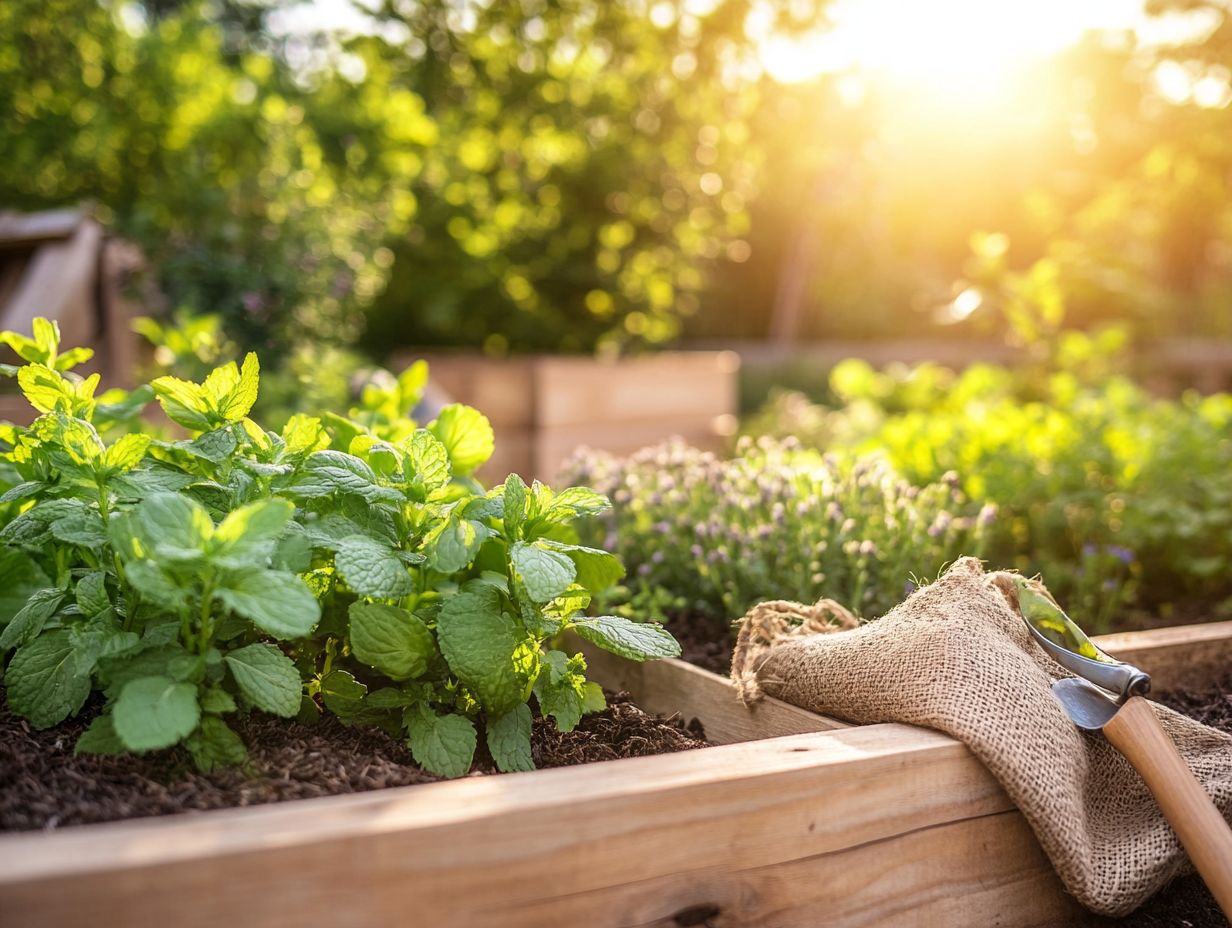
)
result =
(304, 433)
(239, 402)
(184, 402)
(545, 573)
(343, 695)
(215, 745)
(100, 637)
(453, 543)
(22, 576)
(441, 744)
(44, 684)
(274, 600)
(216, 445)
(427, 462)
(250, 532)
(46, 389)
(508, 739)
(562, 702)
(23, 491)
(514, 511)
(569, 504)
(466, 435)
(31, 618)
(83, 527)
(91, 593)
(99, 738)
(371, 568)
(478, 642)
(169, 521)
(328, 472)
(394, 641)
(267, 677)
(637, 641)
(155, 712)
(217, 700)
(593, 699)
(126, 453)
(596, 569)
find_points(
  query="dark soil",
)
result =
(43, 785)
(704, 641)
(1186, 902)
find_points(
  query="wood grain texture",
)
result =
(1135, 732)
(884, 824)
(673, 687)
(1193, 656)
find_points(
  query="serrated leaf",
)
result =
(23, 491)
(637, 641)
(46, 389)
(217, 700)
(99, 738)
(328, 472)
(155, 584)
(441, 744)
(250, 531)
(478, 642)
(91, 593)
(371, 568)
(215, 745)
(31, 618)
(267, 677)
(84, 527)
(343, 695)
(573, 502)
(273, 600)
(508, 738)
(304, 433)
(593, 699)
(596, 570)
(126, 453)
(155, 712)
(239, 402)
(98, 638)
(427, 462)
(216, 445)
(545, 573)
(184, 402)
(514, 508)
(44, 684)
(466, 435)
(562, 702)
(453, 543)
(394, 641)
(170, 521)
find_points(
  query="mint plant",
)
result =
(350, 565)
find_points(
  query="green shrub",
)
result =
(343, 564)
(776, 521)
(1123, 500)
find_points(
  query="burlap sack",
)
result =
(957, 657)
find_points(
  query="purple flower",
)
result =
(657, 557)
(988, 514)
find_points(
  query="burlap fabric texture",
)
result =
(957, 657)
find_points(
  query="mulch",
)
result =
(43, 785)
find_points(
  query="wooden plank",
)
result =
(622, 843)
(59, 284)
(674, 687)
(690, 386)
(1193, 656)
(503, 389)
(22, 229)
(554, 447)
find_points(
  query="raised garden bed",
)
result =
(793, 819)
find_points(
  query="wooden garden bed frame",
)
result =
(793, 819)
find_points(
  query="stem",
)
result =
(206, 631)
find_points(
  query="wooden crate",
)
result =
(823, 823)
(544, 407)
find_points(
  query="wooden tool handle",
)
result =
(1135, 732)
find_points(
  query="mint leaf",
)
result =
(274, 600)
(441, 744)
(184, 402)
(169, 521)
(427, 463)
(371, 568)
(328, 472)
(91, 593)
(267, 677)
(44, 684)
(596, 569)
(21, 578)
(478, 642)
(250, 532)
(453, 544)
(343, 695)
(508, 739)
(99, 738)
(514, 510)
(126, 453)
(394, 641)
(239, 402)
(466, 435)
(569, 504)
(215, 745)
(83, 527)
(637, 641)
(545, 573)
(31, 619)
(155, 712)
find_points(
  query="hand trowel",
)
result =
(1106, 696)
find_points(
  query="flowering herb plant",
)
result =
(775, 521)
(347, 565)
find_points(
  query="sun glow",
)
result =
(949, 47)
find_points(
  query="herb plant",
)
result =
(344, 564)
(714, 536)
